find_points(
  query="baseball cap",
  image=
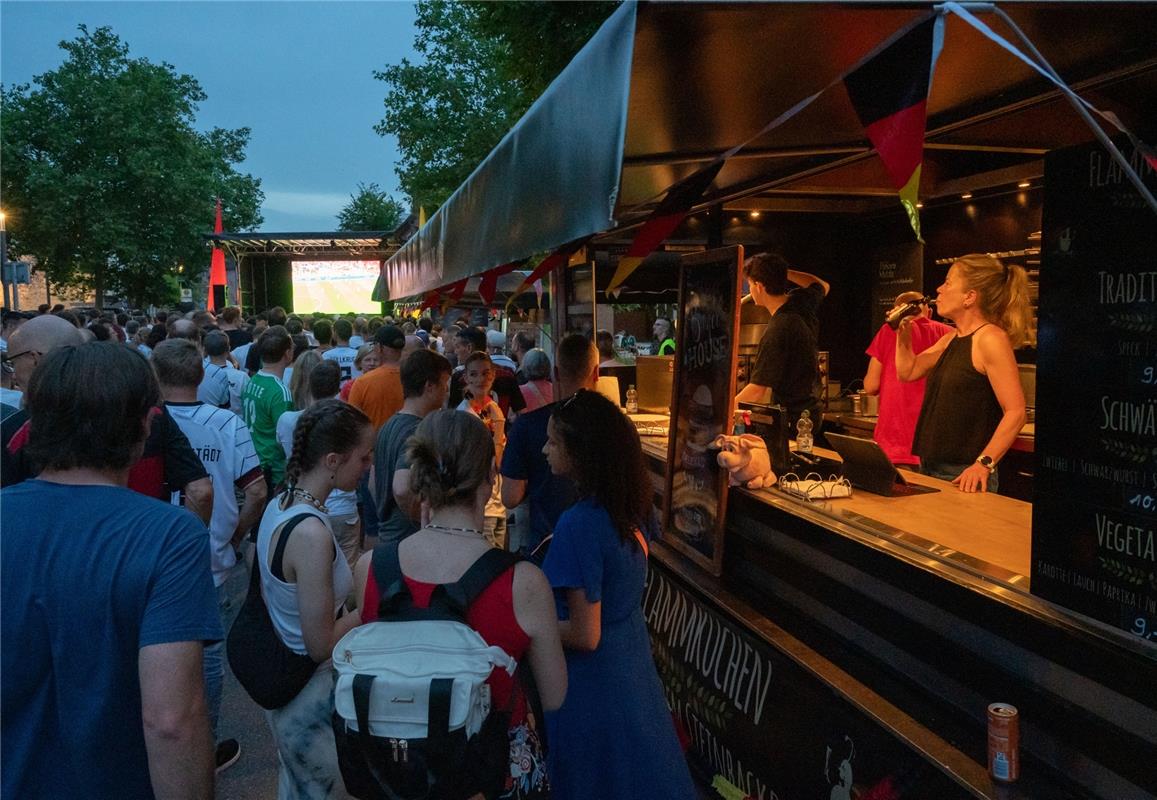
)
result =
(495, 338)
(390, 336)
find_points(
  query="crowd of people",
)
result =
(146, 461)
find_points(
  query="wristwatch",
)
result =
(987, 463)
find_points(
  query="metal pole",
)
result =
(4, 262)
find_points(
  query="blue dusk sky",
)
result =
(298, 74)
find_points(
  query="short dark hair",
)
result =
(274, 344)
(770, 269)
(325, 380)
(426, 324)
(343, 330)
(88, 405)
(420, 368)
(574, 358)
(231, 314)
(216, 343)
(294, 325)
(475, 336)
(323, 331)
(178, 363)
(605, 342)
(276, 316)
(523, 341)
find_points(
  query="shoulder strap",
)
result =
(483, 572)
(388, 576)
(279, 552)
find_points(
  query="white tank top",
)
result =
(281, 597)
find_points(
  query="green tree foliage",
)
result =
(483, 64)
(370, 209)
(107, 182)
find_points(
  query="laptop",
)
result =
(868, 468)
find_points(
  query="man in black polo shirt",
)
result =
(788, 359)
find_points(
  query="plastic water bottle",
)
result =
(803, 433)
(632, 400)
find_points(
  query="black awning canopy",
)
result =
(662, 89)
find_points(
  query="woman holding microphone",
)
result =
(973, 403)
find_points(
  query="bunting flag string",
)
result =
(890, 96)
(1082, 105)
(429, 300)
(452, 294)
(489, 285)
(560, 256)
(664, 220)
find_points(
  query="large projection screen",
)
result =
(335, 287)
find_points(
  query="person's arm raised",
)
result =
(909, 365)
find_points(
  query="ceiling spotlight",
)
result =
(919, 205)
(755, 215)
(1024, 185)
(966, 196)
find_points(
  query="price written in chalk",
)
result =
(1146, 502)
(1142, 628)
(1148, 375)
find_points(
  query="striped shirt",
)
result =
(222, 442)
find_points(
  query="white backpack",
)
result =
(412, 709)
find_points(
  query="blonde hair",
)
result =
(1003, 293)
(299, 380)
(450, 456)
(363, 351)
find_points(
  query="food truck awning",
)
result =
(662, 89)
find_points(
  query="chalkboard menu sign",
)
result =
(895, 269)
(1095, 492)
(762, 723)
(707, 347)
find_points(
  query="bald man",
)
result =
(168, 462)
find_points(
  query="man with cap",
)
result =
(496, 349)
(378, 393)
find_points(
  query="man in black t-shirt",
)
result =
(788, 359)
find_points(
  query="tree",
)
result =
(483, 65)
(107, 182)
(370, 209)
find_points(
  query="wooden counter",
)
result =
(989, 530)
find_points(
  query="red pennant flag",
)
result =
(429, 300)
(560, 256)
(890, 96)
(452, 294)
(217, 265)
(489, 284)
(664, 220)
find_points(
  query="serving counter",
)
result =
(893, 622)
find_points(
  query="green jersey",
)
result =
(264, 400)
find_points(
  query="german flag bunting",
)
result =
(489, 284)
(664, 220)
(890, 95)
(560, 256)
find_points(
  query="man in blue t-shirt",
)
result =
(106, 600)
(525, 473)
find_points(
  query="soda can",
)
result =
(1003, 742)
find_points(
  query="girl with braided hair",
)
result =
(451, 456)
(305, 580)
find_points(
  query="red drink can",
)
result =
(1003, 742)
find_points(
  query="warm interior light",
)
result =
(755, 215)
(919, 205)
(1023, 185)
(966, 196)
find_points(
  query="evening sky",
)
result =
(299, 74)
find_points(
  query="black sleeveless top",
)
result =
(960, 410)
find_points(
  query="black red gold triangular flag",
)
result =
(489, 284)
(452, 294)
(560, 256)
(665, 219)
(890, 96)
(429, 300)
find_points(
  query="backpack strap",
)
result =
(392, 589)
(275, 566)
(483, 572)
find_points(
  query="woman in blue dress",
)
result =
(613, 736)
